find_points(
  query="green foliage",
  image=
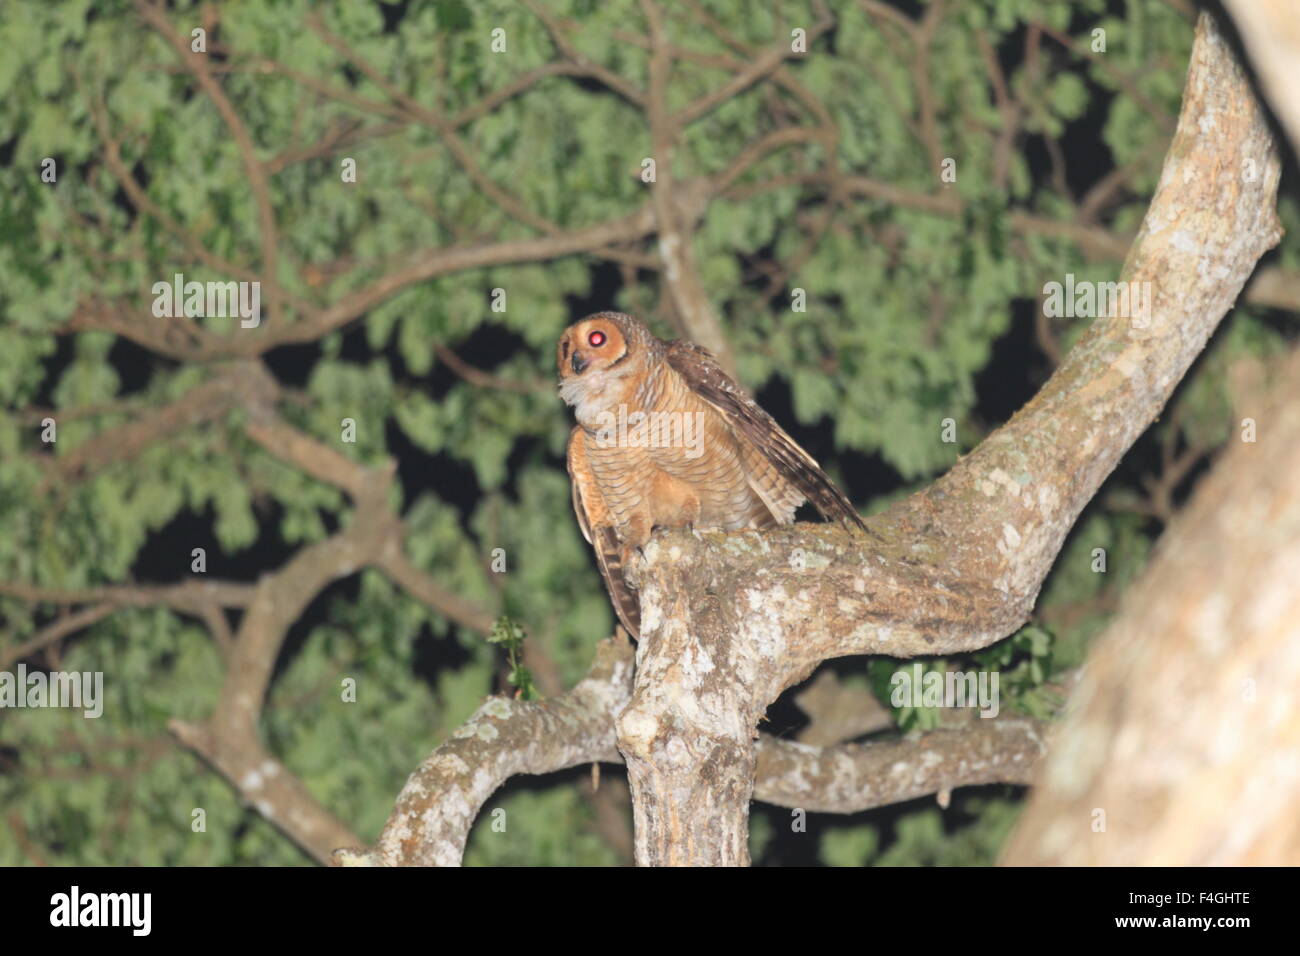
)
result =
(925, 837)
(510, 635)
(519, 827)
(905, 310)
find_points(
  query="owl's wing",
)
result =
(705, 378)
(598, 528)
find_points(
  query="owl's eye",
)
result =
(596, 339)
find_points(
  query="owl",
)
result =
(665, 439)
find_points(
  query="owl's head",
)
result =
(596, 358)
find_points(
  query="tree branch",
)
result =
(1180, 746)
(56, 631)
(434, 812)
(253, 168)
(850, 778)
(734, 619)
(698, 320)
(1271, 32)
(229, 738)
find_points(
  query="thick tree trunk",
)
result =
(687, 735)
(1183, 743)
(731, 620)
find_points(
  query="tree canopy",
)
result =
(864, 227)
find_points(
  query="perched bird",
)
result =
(665, 439)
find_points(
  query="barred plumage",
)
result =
(665, 438)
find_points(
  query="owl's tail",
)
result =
(609, 556)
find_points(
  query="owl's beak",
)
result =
(578, 362)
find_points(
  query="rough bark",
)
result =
(1181, 745)
(1271, 32)
(856, 777)
(731, 620)
(434, 813)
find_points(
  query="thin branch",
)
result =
(1008, 111)
(191, 595)
(335, 138)
(1106, 66)
(589, 68)
(56, 631)
(253, 168)
(476, 376)
(229, 739)
(439, 123)
(424, 588)
(234, 385)
(763, 66)
(699, 321)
